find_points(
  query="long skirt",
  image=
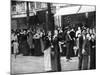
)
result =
(37, 49)
(47, 59)
(25, 48)
(15, 47)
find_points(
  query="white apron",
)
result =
(47, 59)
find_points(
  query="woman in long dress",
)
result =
(24, 44)
(15, 45)
(47, 53)
(37, 45)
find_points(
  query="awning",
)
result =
(75, 10)
(79, 2)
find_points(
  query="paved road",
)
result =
(33, 64)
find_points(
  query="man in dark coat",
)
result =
(56, 64)
(67, 40)
(92, 53)
(84, 52)
(72, 42)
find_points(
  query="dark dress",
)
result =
(92, 54)
(37, 47)
(23, 45)
(56, 64)
(20, 37)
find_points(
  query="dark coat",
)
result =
(72, 34)
(80, 45)
(93, 54)
(47, 43)
(56, 65)
(86, 46)
(83, 58)
(67, 40)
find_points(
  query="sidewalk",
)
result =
(34, 64)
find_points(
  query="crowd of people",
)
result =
(69, 42)
(27, 41)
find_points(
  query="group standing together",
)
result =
(79, 43)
